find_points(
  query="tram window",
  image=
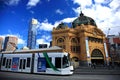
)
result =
(6, 64)
(4, 60)
(65, 61)
(24, 62)
(47, 65)
(9, 65)
(58, 62)
(20, 66)
(28, 62)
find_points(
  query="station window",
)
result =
(4, 60)
(75, 49)
(58, 62)
(28, 62)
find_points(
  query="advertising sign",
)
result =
(41, 66)
(15, 63)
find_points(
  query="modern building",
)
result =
(1, 43)
(10, 43)
(114, 48)
(83, 40)
(32, 32)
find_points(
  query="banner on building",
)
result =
(106, 52)
(87, 47)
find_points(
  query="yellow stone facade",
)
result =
(85, 43)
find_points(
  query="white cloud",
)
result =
(83, 3)
(68, 20)
(45, 25)
(45, 37)
(107, 16)
(102, 1)
(21, 41)
(12, 2)
(32, 3)
(59, 11)
(115, 5)
(42, 41)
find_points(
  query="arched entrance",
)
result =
(97, 57)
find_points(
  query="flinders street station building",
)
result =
(84, 41)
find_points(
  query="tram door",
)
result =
(6, 62)
(25, 64)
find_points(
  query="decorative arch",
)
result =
(97, 57)
(61, 42)
(96, 48)
(97, 53)
(74, 40)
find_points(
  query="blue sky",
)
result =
(16, 14)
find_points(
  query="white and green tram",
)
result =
(41, 61)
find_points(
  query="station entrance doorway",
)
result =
(97, 57)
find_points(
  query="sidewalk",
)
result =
(97, 71)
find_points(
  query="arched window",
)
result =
(96, 53)
(74, 40)
(97, 57)
(61, 43)
(60, 40)
(75, 45)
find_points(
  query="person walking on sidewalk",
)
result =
(94, 65)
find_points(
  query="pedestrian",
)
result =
(108, 65)
(94, 65)
(89, 64)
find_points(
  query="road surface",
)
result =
(24, 76)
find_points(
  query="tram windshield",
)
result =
(65, 61)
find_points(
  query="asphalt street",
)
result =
(24, 76)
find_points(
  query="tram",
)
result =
(40, 61)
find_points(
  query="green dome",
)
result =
(83, 20)
(61, 26)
